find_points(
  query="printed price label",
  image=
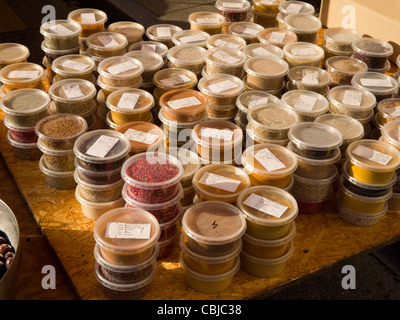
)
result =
(207, 20)
(61, 30)
(108, 41)
(195, 38)
(256, 100)
(268, 160)
(128, 101)
(294, 8)
(72, 90)
(265, 205)
(148, 47)
(372, 155)
(352, 98)
(102, 146)
(310, 77)
(120, 230)
(219, 182)
(263, 52)
(303, 51)
(184, 103)
(232, 5)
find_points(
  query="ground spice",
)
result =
(221, 111)
(59, 163)
(101, 195)
(127, 277)
(188, 57)
(342, 69)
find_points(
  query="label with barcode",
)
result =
(140, 136)
(303, 51)
(372, 155)
(224, 134)
(268, 160)
(232, 5)
(108, 41)
(256, 100)
(194, 38)
(148, 47)
(121, 230)
(23, 74)
(310, 77)
(352, 98)
(305, 102)
(263, 52)
(102, 146)
(78, 66)
(376, 82)
(122, 67)
(265, 205)
(184, 103)
(222, 86)
(294, 8)
(219, 182)
(128, 100)
(61, 30)
(72, 90)
(163, 32)
(226, 57)
(277, 37)
(226, 44)
(88, 18)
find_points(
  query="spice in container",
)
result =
(209, 22)
(303, 54)
(263, 49)
(13, 53)
(246, 30)
(61, 34)
(150, 46)
(277, 36)
(339, 39)
(21, 75)
(304, 25)
(20, 134)
(106, 44)
(133, 31)
(152, 62)
(57, 160)
(309, 78)
(91, 20)
(190, 37)
(120, 71)
(191, 164)
(187, 56)
(174, 78)
(225, 41)
(73, 66)
(233, 11)
(24, 151)
(107, 90)
(307, 104)
(51, 54)
(225, 60)
(267, 20)
(342, 69)
(162, 33)
(57, 180)
(289, 7)
(98, 177)
(267, 6)
(390, 133)
(374, 52)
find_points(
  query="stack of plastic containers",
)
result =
(162, 33)
(187, 56)
(99, 156)
(266, 12)
(367, 181)
(133, 31)
(233, 11)
(13, 53)
(151, 46)
(374, 52)
(23, 108)
(278, 37)
(210, 245)
(225, 40)
(181, 110)
(303, 54)
(305, 26)
(152, 182)
(247, 30)
(270, 215)
(75, 66)
(316, 146)
(290, 7)
(57, 135)
(225, 60)
(263, 49)
(125, 252)
(205, 21)
(309, 78)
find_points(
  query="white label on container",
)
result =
(305, 103)
(223, 86)
(184, 103)
(224, 134)
(268, 2)
(256, 100)
(263, 52)
(303, 51)
(23, 74)
(61, 30)
(72, 90)
(372, 155)
(108, 41)
(376, 82)
(175, 81)
(122, 67)
(148, 47)
(265, 205)
(310, 77)
(194, 38)
(352, 98)
(226, 44)
(219, 182)
(232, 5)
(102, 146)
(221, 55)
(128, 100)
(294, 8)
(140, 136)
(121, 230)
(75, 65)
(251, 31)
(268, 160)
(163, 32)
(88, 18)
(207, 20)
(277, 37)
(394, 112)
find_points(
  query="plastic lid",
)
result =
(345, 65)
(336, 156)
(232, 5)
(71, 90)
(390, 132)
(60, 29)
(190, 37)
(303, 51)
(174, 78)
(124, 101)
(352, 98)
(106, 41)
(183, 125)
(161, 170)
(131, 30)
(269, 160)
(13, 52)
(162, 31)
(120, 67)
(213, 222)
(142, 135)
(389, 156)
(302, 23)
(100, 16)
(263, 49)
(101, 152)
(316, 136)
(250, 99)
(223, 40)
(277, 36)
(275, 207)
(389, 108)
(206, 19)
(372, 47)
(305, 102)
(290, 7)
(245, 29)
(273, 117)
(149, 46)
(350, 128)
(309, 76)
(150, 60)
(221, 85)
(375, 82)
(13, 127)
(187, 54)
(21, 73)
(341, 35)
(24, 102)
(266, 67)
(73, 64)
(125, 216)
(223, 56)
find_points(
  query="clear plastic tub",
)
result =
(221, 89)
(307, 104)
(289, 7)
(268, 7)
(152, 62)
(174, 78)
(266, 73)
(98, 177)
(277, 36)
(233, 11)
(120, 71)
(225, 60)
(374, 52)
(309, 78)
(390, 133)
(25, 107)
(263, 49)
(61, 34)
(225, 41)
(126, 248)
(265, 268)
(57, 160)
(51, 54)
(21, 75)
(213, 228)
(20, 134)
(387, 110)
(220, 182)
(209, 22)
(91, 20)
(133, 31)
(372, 161)
(314, 140)
(339, 39)
(11, 53)
(351, 101)
(267, 20)
(303, 54)
(107, 90)
(342, 69)
(73, 66)
(269, 164)
(106, 44)
(221, 112)
(150, 46)
(187, 56)
(246, 30)
(162, 33)
(127, 105)
(379, 84)
(24, 151)
(190, 37)
(304, 25)
(252, 139)
(58, 180)
(218, 140)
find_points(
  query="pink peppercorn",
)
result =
(23, 136)
(311, 207)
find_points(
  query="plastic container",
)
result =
(266, 20)
(225, 60)
(174, 78)
(209, 22)
(263, 49)
(20, 134)
(190, 37)
(289, 7)
(390, 133)
(167, 246)
(268, 7)
(151, 61)
(304, 25)
(225, 41)
(107, 90)
(213, 228)
(150, 46)
(372, 161)
(266, 73)
(106, 44)
(11, 53)
(309, 78)
(73, 66)
(57, 160)
(380, 85)
(387, 110)
(61, 34)
(277, 36)
(246, 30)
(303, 54)
(233, 11)
(342, 69)
(58, 180)
(374, 52)
(24, 151)
(91, 20)
(162, 33)
(21, 75)
(131, 30)
(127, 248)
(394, 202)
(269, 164)
(51, 54)
(187, 56)
(265, 268)
(340, 39)
(314, 140)
(218, 140)
(127, 105)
